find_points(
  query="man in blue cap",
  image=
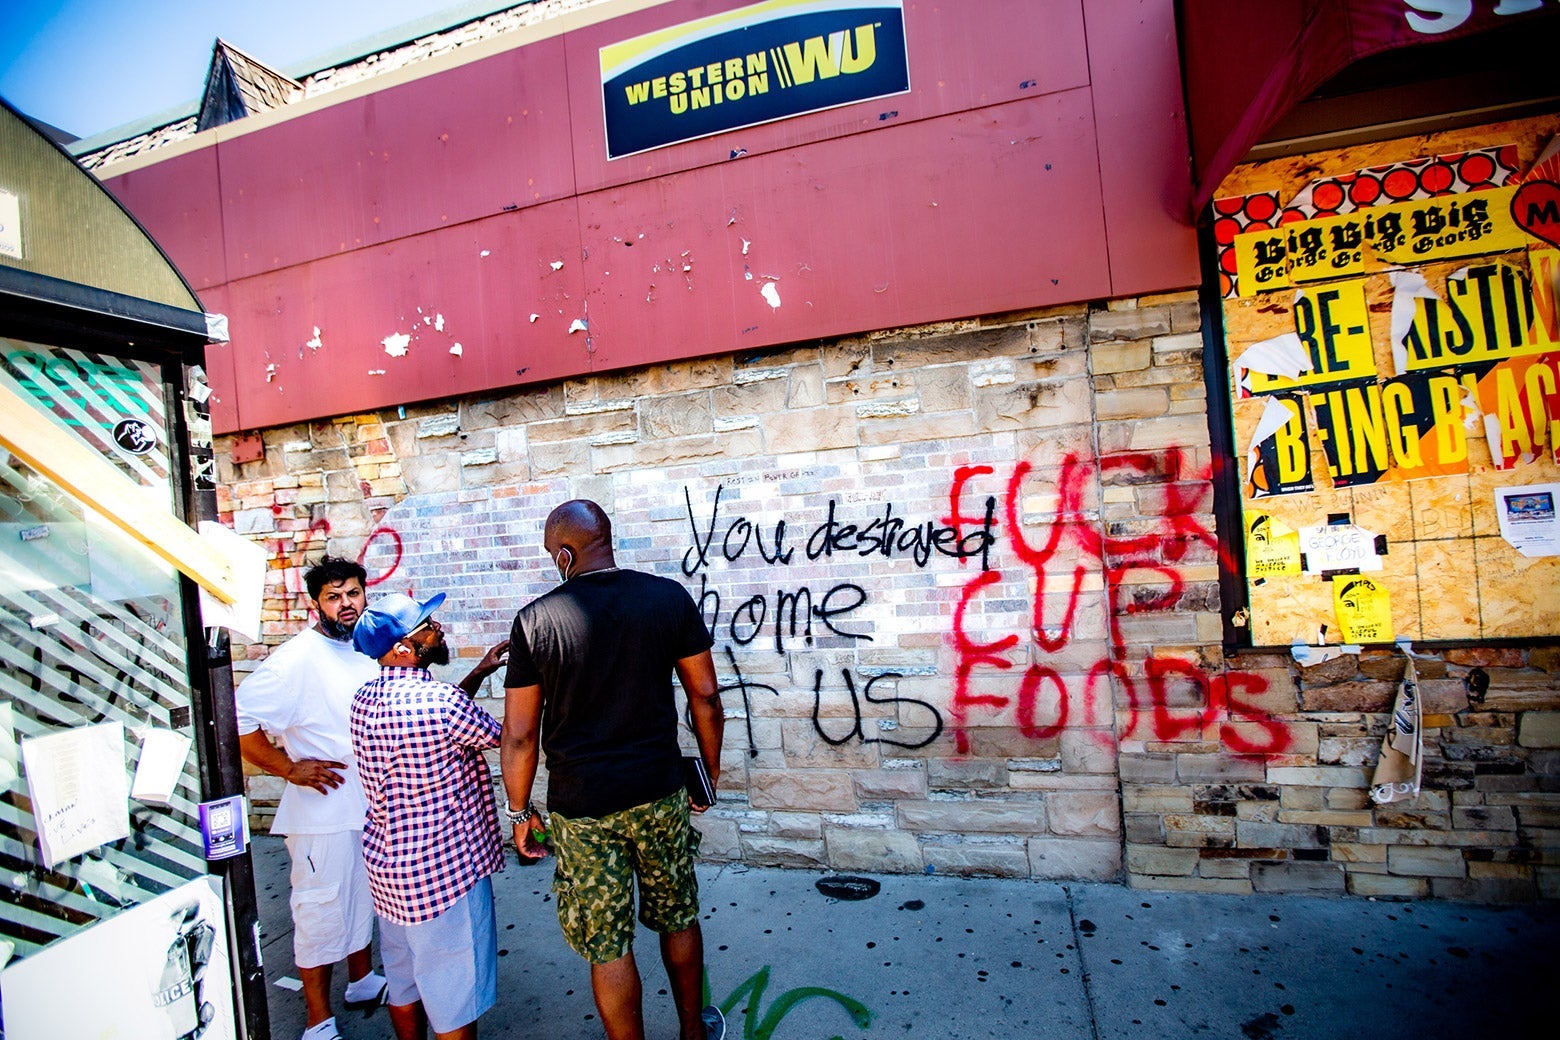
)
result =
(431, 839)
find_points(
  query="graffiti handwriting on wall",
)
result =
(291, 556)
(1140, 569)
(1141, 574)
(887, 536)
(796, 609)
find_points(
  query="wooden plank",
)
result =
(84, 475)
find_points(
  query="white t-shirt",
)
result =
(300, 696)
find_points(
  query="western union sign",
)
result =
(757, 64)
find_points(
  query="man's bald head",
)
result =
(581, 527)
(578, 523)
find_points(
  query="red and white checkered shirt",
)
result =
(432, 827)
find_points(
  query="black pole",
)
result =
(214, 714)
(1233, 594)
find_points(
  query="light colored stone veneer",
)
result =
(1052, 701)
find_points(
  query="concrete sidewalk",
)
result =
(950, 958)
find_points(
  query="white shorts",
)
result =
(449, 963)
(332, 909)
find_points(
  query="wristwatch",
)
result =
(519, 816)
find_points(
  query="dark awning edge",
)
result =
(38, 304)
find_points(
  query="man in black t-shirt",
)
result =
(590, 681)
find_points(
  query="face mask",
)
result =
(563, 568)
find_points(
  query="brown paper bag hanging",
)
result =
(1402, 750)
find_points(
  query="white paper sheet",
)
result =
(1528, 518)
(1339, 547)
(158, 970)
(1306, 655)
(248, 561)
(1283, 355)
(1275, 416)
(80, 795)
(157, 771)
(217, 328)
(1407, 286)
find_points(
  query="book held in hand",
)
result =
(697, 779)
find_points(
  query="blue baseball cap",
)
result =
(389, 620)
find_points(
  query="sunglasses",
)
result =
(430, 623)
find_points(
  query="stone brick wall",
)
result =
(963, 582)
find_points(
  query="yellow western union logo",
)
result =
(753, 65)
(842, 53)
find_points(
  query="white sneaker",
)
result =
(368, 992)
(326, 1030)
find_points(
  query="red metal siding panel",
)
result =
(962, 57)
(471, 142)
(482, 281)
(1028, 166)
(1144, 165)
(177, 202)
(943, 218)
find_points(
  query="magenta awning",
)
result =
(1246, 65)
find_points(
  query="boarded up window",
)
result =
(1390, 316)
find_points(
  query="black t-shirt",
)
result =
(602, 646)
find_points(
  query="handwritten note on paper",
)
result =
(80, 794)
(1339, 547)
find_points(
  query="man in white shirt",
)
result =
(299, 698)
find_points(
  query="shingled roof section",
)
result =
(262, 87)
(238, 85)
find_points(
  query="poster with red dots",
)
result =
(1422, 178)
(1231, 217)
(1320, 249)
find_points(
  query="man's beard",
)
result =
(439, 653)
(336, 630)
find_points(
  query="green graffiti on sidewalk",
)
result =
(756, 1028)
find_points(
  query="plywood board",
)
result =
(1450, 574)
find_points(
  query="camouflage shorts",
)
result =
(597, 861)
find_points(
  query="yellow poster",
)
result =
(1272, 547)
(1441, 228)
(1424, 415)
(1332, 327)
(1489, 312)
(1364, 609)
(1544, 263)
(1278, 461)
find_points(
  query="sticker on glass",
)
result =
(137, 436)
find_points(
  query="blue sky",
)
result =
(87, 66)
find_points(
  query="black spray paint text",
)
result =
(886, 536)
(794, 613)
